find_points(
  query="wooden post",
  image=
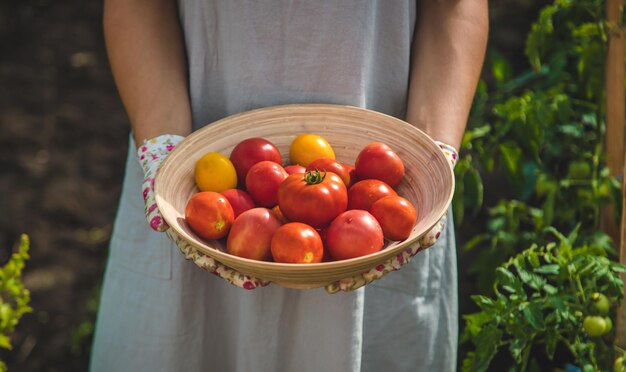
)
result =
(615, 121)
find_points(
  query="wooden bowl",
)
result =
(428, 183)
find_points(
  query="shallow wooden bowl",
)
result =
(428, 184)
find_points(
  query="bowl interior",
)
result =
(428, 183)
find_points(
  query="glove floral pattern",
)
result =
(151, 155)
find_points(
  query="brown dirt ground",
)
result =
(63, 137)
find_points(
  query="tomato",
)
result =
(600, 303)
(609, 324)
(279, 214)
(209, 214)
(331, 165)
(296, 242)
(594, 325)
(251, 151)
(378, 161)
(352, 173)
(251, 234)
(619, 365)
(314, 198)
(364, 193)
(263, 180)
(240, 200)
(396, 216)
(307, 147)
(215, 172)
(354, 233)
(295, 168)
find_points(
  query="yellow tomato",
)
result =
(308, 147)
(215, 172)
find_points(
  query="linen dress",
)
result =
(159, 312)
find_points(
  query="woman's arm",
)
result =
(448, 52)
(145, 47)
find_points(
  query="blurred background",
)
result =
(63, 142)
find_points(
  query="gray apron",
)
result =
(159, 312)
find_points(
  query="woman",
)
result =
(180, 65)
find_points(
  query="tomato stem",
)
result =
(314, 176)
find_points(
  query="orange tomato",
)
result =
(307, 147)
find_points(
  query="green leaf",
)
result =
(508, 281)
(552, 269)
(487, 343)
(5, 341)
(473, 190)
(516, 348)
(534, 315)
(511, 158)
(474, 323)
(550, 289)
(500, 67)
(618, 268)
(551, 340)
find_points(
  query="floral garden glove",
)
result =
(151, 155)
(395, 263)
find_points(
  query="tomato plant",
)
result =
(263, 180)
(379, 161)
(251, 151)
(215, 172)
(14, 296)
(314, 198)
(251, 234)
(354, 233)
(365, 192)
(396, 216)
(209, 214)
(542, 297)
(296, 242)
(307, 147)
(239, 199)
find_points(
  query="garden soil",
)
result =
(63, 142)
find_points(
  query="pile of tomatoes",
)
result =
(314, 209)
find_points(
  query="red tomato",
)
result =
(364, 193)
(209, 214)
(352, 172)
(240, 200)
(313, 198)
(296, 242)
(251, 151)
(281, 217)
(396, 216)
(295, 168)
(331, 165)
(263, 180)
(378, 161)
(251, 234)
(354, 233)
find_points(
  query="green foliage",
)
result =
(540, 134)
(540, 298)
(14, 297)
(535, 143)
